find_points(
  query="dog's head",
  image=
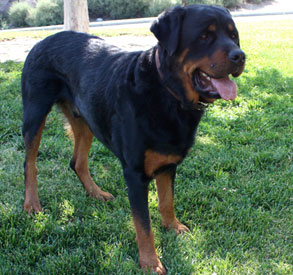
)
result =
(198, 48)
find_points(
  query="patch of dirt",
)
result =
(17, 49)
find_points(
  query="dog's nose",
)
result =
(237, 57)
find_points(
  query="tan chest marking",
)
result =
(153, 161)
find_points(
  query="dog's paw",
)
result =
(152, 265)
(177, 226)
(181, 228)
(97, 193)
(32, 206)
(105, 196)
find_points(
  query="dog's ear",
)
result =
(167, 28)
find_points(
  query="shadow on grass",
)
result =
(269, 87)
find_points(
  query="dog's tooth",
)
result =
(206, 76)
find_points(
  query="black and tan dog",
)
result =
(144, 106)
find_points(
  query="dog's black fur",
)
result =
(138, 107)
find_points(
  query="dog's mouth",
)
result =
(211, 87)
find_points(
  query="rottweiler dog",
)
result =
(144, 106)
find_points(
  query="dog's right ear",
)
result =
(167, 28)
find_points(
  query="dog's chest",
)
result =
(154, 161)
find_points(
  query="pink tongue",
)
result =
(225, 87)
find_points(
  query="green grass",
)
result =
(234, 190)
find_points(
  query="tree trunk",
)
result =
(76, 17)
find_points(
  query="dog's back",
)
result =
(76, 70)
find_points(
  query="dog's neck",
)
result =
(158, 65)
(199, 106)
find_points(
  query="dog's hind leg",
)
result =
(82, 137)
(40, 90)
(33, 124)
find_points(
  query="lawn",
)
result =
(234, 190)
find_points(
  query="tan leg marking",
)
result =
(83, 137)
(148, 258)
(31, 197)
(166, 203)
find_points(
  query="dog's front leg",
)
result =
(138, 197)
(165, 189)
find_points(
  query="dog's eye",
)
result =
(233, 36)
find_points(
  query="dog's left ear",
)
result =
(167, 28)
